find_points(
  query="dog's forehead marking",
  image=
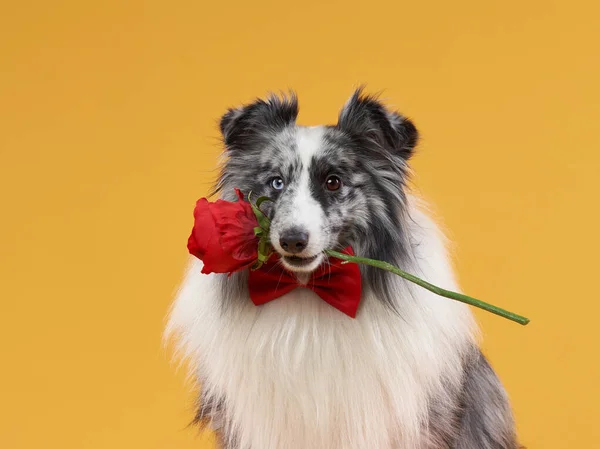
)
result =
(309, 141)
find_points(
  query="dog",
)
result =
(296, 373)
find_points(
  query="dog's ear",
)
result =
(243, 126)
(364, 116)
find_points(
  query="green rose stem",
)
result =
(265, 250)
(432, 288)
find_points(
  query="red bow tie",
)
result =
(337, 283)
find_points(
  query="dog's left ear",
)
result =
(248, 124)
(365, 116)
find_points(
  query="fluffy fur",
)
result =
(297, 373)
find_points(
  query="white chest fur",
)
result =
(297, 373)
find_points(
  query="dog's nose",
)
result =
(294, 241)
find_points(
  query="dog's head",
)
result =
(331, 186)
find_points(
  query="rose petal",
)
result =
(223, 235)
(204, 228)
(237, 235)
(215, 259)
(235, 223)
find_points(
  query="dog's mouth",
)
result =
(297, 263)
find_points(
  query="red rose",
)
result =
(223, 235)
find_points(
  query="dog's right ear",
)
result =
(364, 115)
(243, 126)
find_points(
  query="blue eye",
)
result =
(277, 183)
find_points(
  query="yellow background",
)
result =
(108, 134)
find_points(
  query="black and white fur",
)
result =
(297, 373)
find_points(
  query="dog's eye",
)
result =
(333, 183)
(277, 183)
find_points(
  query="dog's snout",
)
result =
(294, 240)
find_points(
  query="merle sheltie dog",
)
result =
(296, 373)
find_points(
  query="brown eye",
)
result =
(333, 183)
